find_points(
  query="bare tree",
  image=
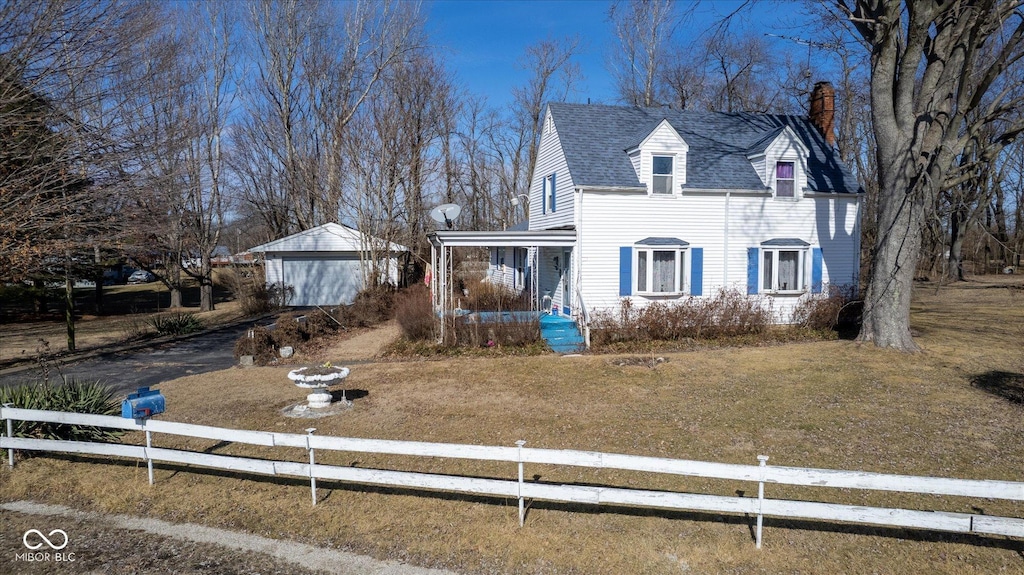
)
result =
(317, 64)
(553, 77)
(59, 180)
(211, 101)
(933, 89)
(644, 29)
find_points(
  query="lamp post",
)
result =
(526, 206)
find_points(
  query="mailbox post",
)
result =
(140, 406)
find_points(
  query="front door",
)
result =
(567, 282)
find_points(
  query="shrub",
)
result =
(514, 333)
(259, 343)
(69, 395)
(289, 332)
(727, 314)
(321, 323)
(488, 296)
(370, 307)
(834, 307)
(249, 288)
(414, 313)
(176, 324)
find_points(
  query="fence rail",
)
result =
(761, 474)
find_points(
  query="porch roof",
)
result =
(535, 238)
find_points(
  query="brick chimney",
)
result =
(823, 110)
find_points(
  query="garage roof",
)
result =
(329, 237)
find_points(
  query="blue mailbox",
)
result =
(143, 403)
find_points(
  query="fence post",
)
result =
(763, 459)
(522, 512)
(149, 460)
(10, 435)
(312, 460)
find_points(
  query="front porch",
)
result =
(538, 264)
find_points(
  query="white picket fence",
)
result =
(760, 474)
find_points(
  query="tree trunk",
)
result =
(957, 228)
(886, 320)
(69, 308)
(98, 278)
(206, 284)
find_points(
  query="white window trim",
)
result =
(682, 275)
(797, 179)
(674, 175)
(803, 277)
(550, 197)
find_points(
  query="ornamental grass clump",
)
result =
(70, 395)
(176, 324)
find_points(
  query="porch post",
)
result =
(443, 275)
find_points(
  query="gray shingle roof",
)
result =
(595, 138)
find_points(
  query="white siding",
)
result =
(501, 270)
(274, 269)
(322, 278)
(663, 141)
(786, 148)
(760, 164)
(610, 221)
(551, 160)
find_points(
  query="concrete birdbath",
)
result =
(317, 380)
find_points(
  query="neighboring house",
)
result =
(326, 265)
(656, 205)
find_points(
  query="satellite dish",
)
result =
(445, 214)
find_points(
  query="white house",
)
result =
(326, 265)
(655, 204)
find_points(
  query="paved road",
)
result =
(127, 370)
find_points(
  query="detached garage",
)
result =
(323, 265)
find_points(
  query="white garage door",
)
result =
(325, 280)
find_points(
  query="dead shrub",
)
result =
(370, 307)
(468, 331)
(727, 314)
(414, 313)
(488, 296)
(833, 308)
(321, 323)
(259, 343)
(250, 290)
(289, 331)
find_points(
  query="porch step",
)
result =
(561, 334)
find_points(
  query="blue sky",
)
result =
(482, 41)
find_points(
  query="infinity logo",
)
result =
(39, 534)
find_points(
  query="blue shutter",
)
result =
(752, 258)
(697, 271)
(816, 270)
(626, 270)
(553, 192)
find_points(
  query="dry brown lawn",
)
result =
(953, 410)
(25, 340)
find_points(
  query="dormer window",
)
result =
(785, 180)
(662, 174)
